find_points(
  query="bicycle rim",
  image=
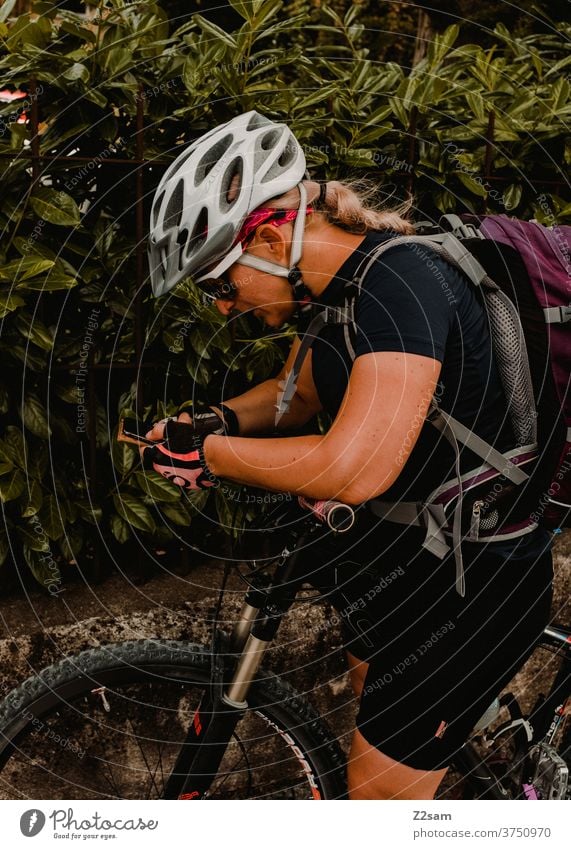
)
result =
(114, 731)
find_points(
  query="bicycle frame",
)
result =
(237, 660)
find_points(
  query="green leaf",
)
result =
(119, 528)
(4, 400)
(38, 461)
(476, 103)
(11, 486)
(117, 60)
(77, 72)
(243, 7)
(560, 94)
(32, 498)
(176, 513)
(22, 269)
(34, 416)
(89, 511)
(32, 328)
(123, 455)
(157, 487)
(398, 108)
(51, 283)
(70, 393)
(24, 33)
(440, 46)
(44, 569)
(536, 61)
(195, 500)
(319, 96)
(34, 537)
(15, 445)
(9, 303)
(198, 369)
(512, 196)
(80, 32)
(71, 544)
(201, 339)
(40, 251)
(57, 207)
(133, 511)
(95, 96)
(4, 547)
(473, 184)
(218, 33)
(52, 517)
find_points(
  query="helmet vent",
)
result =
(287, 155)
(156, 208)
(211, 157)
(257, 121)
(173, 212)
(231, 185)
(177, 165)
(270, 139)
(199, 232)
(181, 240)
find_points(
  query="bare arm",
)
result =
(256, 408)
(363, 453)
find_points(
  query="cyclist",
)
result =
(238, 213)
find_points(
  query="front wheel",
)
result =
(109, 724)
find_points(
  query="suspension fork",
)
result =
(224, 706)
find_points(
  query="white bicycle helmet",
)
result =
(194, 224)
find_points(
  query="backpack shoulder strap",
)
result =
(445, 244)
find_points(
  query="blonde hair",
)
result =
(348, 205)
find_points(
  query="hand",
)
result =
(180, 458)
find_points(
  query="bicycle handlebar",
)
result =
(338, 516)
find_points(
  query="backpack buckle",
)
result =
(557, 315)
(461, 229)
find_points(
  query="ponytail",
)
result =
(347, 206)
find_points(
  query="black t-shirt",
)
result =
(413, 301)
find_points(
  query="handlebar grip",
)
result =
(338, 516)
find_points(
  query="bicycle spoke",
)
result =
(231, 769)
(143, 755)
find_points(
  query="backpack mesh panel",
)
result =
(511, 357)
(506, 267)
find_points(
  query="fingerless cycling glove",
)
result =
(180, 459)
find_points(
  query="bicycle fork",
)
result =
(223, 707)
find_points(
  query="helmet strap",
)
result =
(301, 293)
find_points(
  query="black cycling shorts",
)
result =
(436, 660)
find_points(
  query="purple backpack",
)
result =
(540, 286)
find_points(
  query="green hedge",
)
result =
(68, 253)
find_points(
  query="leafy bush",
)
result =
(115, 99)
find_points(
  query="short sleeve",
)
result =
(407, 303)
